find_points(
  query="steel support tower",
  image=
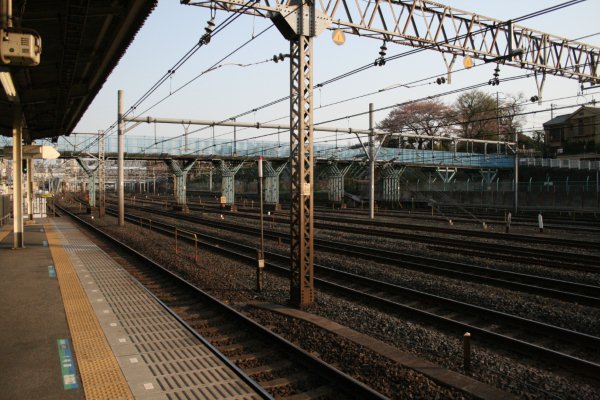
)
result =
(418, 23)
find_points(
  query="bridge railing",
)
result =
(161, 146)
(560, 163)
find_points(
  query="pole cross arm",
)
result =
(178, 170)
(89, 171)
(431, 25)
(174, 168)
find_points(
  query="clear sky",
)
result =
(173, 29)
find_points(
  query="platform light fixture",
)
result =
(8, 85)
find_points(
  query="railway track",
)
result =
(281, 369)
(571, 350)
(545, 257)
(534, 284)
(550, 222)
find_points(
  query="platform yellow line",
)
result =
(100, 373)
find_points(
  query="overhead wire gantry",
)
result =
(418, 23)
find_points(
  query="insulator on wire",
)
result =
(210, 26)
(382, 52)
(440, 80)
(280, 57)
(495, 80)
(533, 99)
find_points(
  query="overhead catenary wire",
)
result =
(410, 52)
(201, 42)
(537, 13)
(400, 132)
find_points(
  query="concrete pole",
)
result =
(516, 205)
(371, 165)
(18, 242)
(120, 160)
(29, 184)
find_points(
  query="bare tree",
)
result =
(428, 117)
(475, 115)
(510, 117)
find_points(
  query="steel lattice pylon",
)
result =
(301, 161)
(416, 23)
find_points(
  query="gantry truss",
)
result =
(417, 23)
(427, 24)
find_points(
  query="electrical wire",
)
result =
(230, 19)
(531, 15)
(400, 132)
(401, 55)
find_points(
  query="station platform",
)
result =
(75, 325)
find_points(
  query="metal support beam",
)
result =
(431, 25)
(302, 291)
(320, 128)
(272, 181)
(120, 160)
(18, 238)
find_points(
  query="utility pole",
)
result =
(120, 160)
(260, 268)
(101, 174)
(498, 116)
(371, 164)
(516, 201)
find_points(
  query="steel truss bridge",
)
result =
(162, 148)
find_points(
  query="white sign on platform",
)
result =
(34, 151)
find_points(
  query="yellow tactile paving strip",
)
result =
(99, 370)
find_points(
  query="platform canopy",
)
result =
(82, 41)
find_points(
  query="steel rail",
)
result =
(535, 284)
(547, 258)
(341, 380)
(350, 281)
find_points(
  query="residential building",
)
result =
(577, 133)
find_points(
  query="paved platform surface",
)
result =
(32, 320)
(125, 344)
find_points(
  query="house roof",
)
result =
(561, 119)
